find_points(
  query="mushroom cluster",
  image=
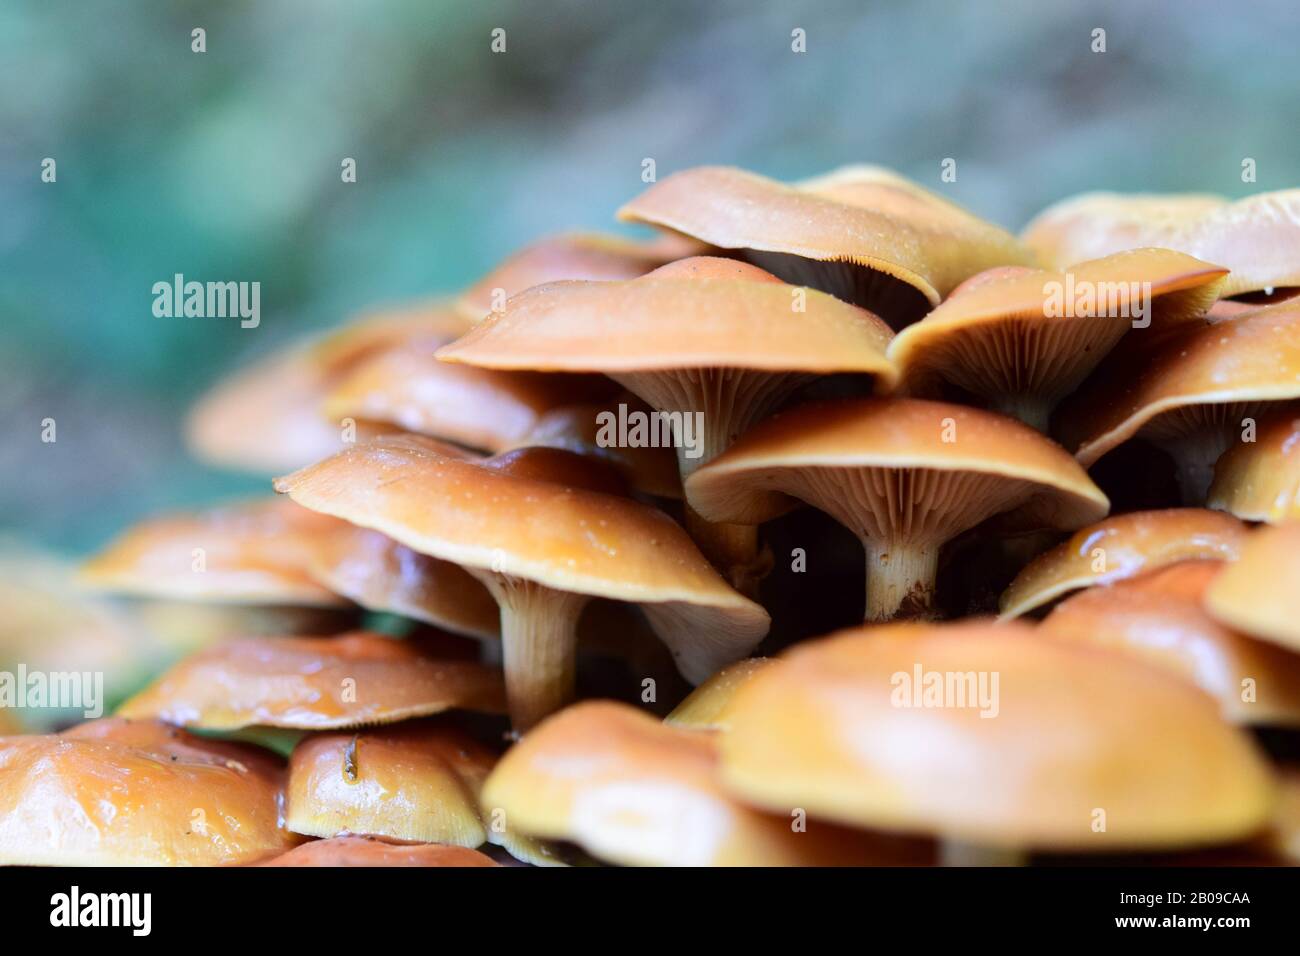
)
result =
(546, 574)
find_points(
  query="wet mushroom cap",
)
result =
(1258, 237)
(1018, 332)
(1163, 622)
(1121, 547)
(1259, 480)
(630, 790)
(885, 727)
(255, 552)
(1257, 593)
(381, 575)
(416, 781)
(708, 706)
(562, 537)
(696, 313)
(117, 793)
(311, 683)
(994, 462)
(566, 256)
(868, 218)
(367, 852)
(1203, 376)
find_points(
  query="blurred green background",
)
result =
(225, 165)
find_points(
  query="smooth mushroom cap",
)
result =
(267, 417)
(117, 793)
(1258, 237)
(1259, 480)
(1120, 547)
(312, 683)
(381, 575)
(845, 442)
(567, 256)
(630, 790)
(367, 852)
(562, 537)
(1203, 381)
(708, 707)
(863, 217)
(707, 337)
(1163, 622)
(1082, 749)
(1257, 593)
(255, 552)
(904, 475)
(409, 387)
(697, 313)
(416, 781)
(1022, 339)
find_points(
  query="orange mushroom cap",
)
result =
(904, 475)
(119, 793)
(1120, 547)
(365, 851)
(1199, 385)
(992, 735)
(382, 575)
(415, 781)
(255, 552)
(312, 683)
(1258, 237)
(1257, 593)
(865, 234)
(567, 256)
(1163, 621)
(631, 790)
(1259, 480)
(1022, 339)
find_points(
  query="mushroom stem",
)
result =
(956, 853)
(1195, 454)
(1034, 410)
(732, 549)
(900, 579)
(539, 646)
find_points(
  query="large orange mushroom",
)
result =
(545, 544)
(712, 344)
(864, 234)
(904, 475)
(1022, 339)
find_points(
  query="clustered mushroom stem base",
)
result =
(731, 548)
(1195, 455)
(539, 629)
(900, 580)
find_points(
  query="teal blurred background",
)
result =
(225, 165)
